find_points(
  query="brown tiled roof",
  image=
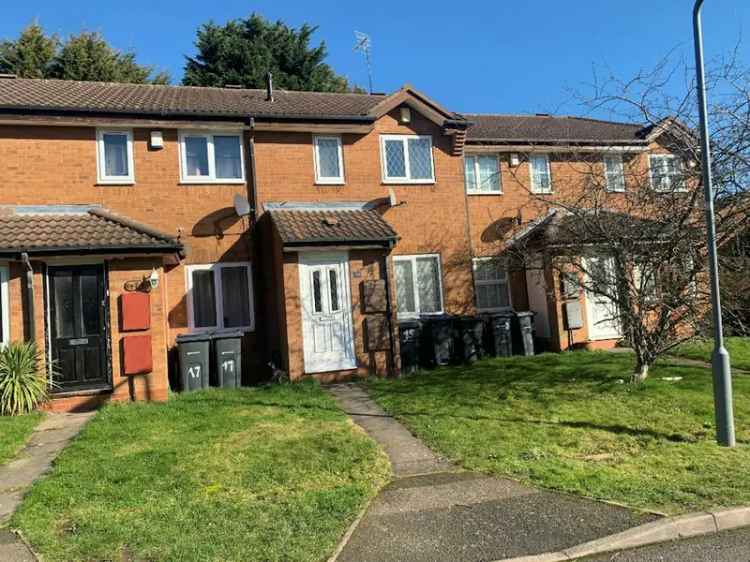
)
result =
(341, 226)
(547, 128)
(75, 228)
(107, 97)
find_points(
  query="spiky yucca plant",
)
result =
(23, 384)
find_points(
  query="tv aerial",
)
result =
(364, 46)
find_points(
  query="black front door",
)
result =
(78, 327)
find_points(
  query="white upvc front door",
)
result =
(600, 310)
(326, 312)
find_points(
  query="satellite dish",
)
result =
(241, 206)
(392, 201)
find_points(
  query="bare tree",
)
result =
(626, 225)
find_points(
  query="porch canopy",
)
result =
(54, 230)
(561, 228)
(350, 225)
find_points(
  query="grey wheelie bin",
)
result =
(227, 358)
(194, 354)
(499, 334)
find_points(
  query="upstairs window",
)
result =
(419, 289)
(407, 159)
(491, 284)
(211, 158)
(482, 173)
(220, 295)
(614, 171)
(329, 161)
(666, 173)
(541, 180)
(115, 157)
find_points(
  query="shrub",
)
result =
(23, 384)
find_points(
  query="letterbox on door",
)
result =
(135, 311)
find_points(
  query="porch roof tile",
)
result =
(332, 226)
(65, 229)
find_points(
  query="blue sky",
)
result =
(472, 56)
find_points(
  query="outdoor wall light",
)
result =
(157, 140)
(405, 115)
(515, 160)
(153, 279)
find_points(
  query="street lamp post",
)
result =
(722, 370)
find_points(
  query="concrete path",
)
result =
(435, 512)
(48, 439)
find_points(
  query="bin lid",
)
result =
(195, 337)
(525, 313)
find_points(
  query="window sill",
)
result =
(548, 192)
(245, 330)
(330, 183)
(409, 182)
(492, 193)
(212, 182)
(115, 182)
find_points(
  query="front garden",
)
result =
(268, 473)
(738, 348)
(14, 431)
(570, 422)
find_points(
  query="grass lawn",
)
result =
(566, 422)
(14, 431)
(268, 473)
(739, 351)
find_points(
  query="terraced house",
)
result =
(312, 222)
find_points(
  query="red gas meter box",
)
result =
(135, 311)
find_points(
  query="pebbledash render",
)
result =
(119, 225)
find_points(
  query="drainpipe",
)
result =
(29, 296)
(252, 191)
(389, 310)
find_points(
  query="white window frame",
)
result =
(671, 188)
(535, 188)
(405, 141)
(477, 191)
(5, 300)
(620, 164)
(211, 177)
(216, 269)
(488, 283)
(413, 259)
(101, 176)
(316, 160)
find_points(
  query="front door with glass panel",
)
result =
(78, 326)
(326, 312)
(601, 311)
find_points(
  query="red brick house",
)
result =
(118, 227)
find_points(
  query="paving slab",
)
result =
(408, 455)
(50, 437)
(434, 512)
(13, 550)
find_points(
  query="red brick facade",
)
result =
(54, 165)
